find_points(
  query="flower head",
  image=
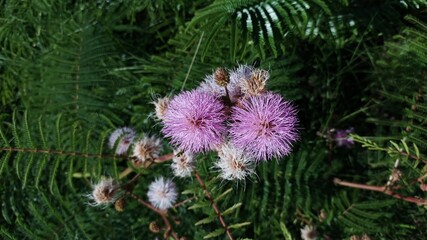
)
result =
(162, 193)
(233, 163)
(264, 126)
(241, 74)
(255, 85)
(343, 139)
(194, 121)
(182, 164)
(234, 78)
(104, 192)
(308, 233)
(147, 148)
(161, 106)
(125, 136)
(221, 77)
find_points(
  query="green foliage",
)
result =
(70, 72)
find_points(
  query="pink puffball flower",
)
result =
(264, 126)
(343, 139)
(195, 121)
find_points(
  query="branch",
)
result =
(162, 213)
(59, 152)
(383, 189)
(215, 207)
(160, 159)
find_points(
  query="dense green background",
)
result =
(73, 71)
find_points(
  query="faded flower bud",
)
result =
(147, 149)
(255, 85)
(124, 136)
(154, 227)
(161, 107)
(222, 78)
(233, 163)
(104, 192)
(308, 233)
(182, 164)
(120, 204)
(162, 193)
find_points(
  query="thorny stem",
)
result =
(412, 156)
(160, 159)
(184, 202)
(215, 207)
(383, 189)
(163, 214)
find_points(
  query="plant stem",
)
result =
(162, 213)
(59, 152)
(383, 189)
(184, 202)
(160, 159)
(215, 207)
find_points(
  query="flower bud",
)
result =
(222, 78)
(120, 204)
(161, 107)
(255, 85)
(154, 227)
(104, 192)
(147, 149)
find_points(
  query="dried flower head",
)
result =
(209, 85)
(264, 126)
(233, 163)
(125, 137)
(365, 237)
(195, 121)
(343, 139)
(105, 192)
(154, 227)
(236, 76)
(255, 85)
(182, 164)
(161, 106)
(162, 193)
(147, 149)
(120, 204)
(308, 233)
(241, 74)
(222, 78)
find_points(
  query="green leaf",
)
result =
(215, 233)
(206, 220)
(286, 234)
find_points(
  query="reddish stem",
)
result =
(162, 213)
(215, 207)
(383, 189)
(160, 159)
(164, 158)
(59, 152)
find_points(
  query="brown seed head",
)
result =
(104, 192)
(154, 227)
(120, 204)
(161, 107)
(255, 85)
(222, 78)
(147, 149)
